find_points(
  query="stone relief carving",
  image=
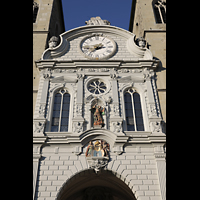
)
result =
(38, 127)
(97, 21)
(117, 126)
(47, 73)
(113, 76)
(77, 127)
(79, 109)
(156, 127)
(42, 110)
(141, 42)
(153, 110)
(97, 154)
(53, 42)
(116, 109)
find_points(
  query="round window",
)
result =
(97, 87)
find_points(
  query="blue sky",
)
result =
(76, 12)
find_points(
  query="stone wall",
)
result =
(136, 167)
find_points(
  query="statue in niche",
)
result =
(98, 148)
(97, 112)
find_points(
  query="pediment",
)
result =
(69, 47)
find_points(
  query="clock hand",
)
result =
(93, 47)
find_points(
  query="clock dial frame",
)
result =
(97, 47)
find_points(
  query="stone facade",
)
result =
(135, 165)
(49, 22)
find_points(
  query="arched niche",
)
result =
(87, 185)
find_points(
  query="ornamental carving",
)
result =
(97, 21)
(38, 127)
(77, 127)
(97, 154)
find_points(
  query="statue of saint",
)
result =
(97, 112)
(89, 149)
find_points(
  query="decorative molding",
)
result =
(54, 52)
(160, 155)
(156, 127)
(38, 126)
(78, 127)
(42, 109)
(140, 52)
(117, 126)
(97, 163)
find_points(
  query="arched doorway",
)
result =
(87, 185)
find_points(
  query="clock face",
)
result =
(98, 47)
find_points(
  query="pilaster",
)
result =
(78, 120)
(37, 143)
(160, 157)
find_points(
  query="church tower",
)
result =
(97, 125)
(148, 20)
(47, 22)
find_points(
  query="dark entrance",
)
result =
(87, 185)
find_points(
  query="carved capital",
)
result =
(156, 127)
(77, 127)
(47, 73)
(38, 126)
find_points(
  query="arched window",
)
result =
(133, 111)
(35, 11)
(60, 118)
(160, 11)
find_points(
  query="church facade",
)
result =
(97, 125)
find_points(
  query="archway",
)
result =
(87, 185)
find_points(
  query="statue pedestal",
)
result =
(97, 126)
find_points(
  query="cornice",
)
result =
(138, 63)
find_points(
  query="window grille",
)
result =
(133, 111)
(60, 118)
(160, 11)
(35, 11)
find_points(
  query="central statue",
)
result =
(97, 112)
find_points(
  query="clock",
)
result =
(97, 47)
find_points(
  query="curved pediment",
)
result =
(104, 134)
(69, 48)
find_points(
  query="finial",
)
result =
(97, 21)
